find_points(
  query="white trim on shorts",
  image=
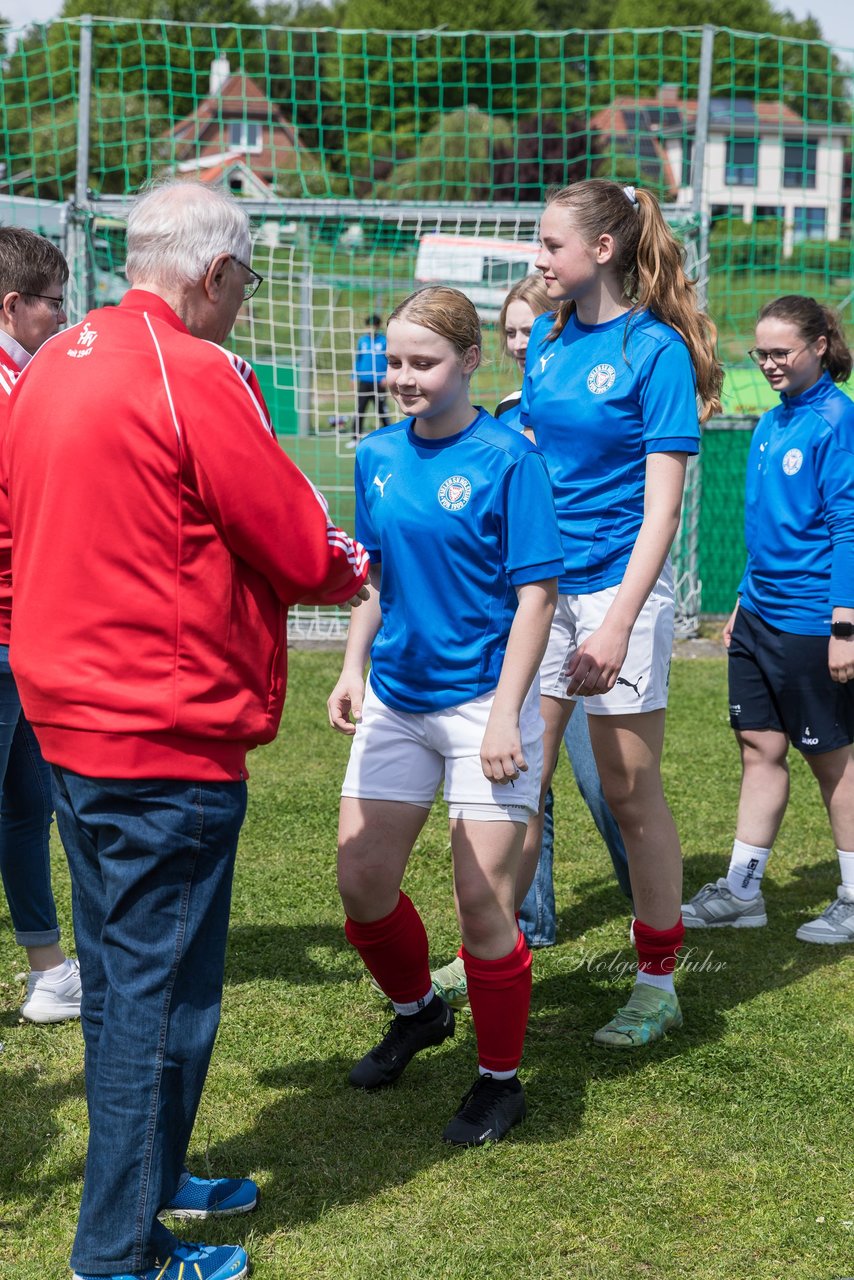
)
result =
(643, 682)
(398, 755)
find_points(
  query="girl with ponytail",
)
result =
(616, 383)
(791, 634)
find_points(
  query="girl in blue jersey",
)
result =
(611, 387)
(526, 300)
(791, 634)
(462, 596)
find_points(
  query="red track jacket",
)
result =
(9, 374)
(159, 534)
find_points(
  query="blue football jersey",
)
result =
(509, 411)
(371, 361)
(599, 399)
(799, 511)
(457, 525)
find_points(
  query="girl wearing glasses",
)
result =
(457, 516)
(612, 381)
(791, 634)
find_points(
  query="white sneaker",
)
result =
(835, 924)
(53, 999)
(717, 907)
(351, 444)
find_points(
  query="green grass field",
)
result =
(723, 1154)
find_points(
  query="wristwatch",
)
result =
(842, 630)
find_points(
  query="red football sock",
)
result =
(395, 951)
(500, 998)
(657, 948)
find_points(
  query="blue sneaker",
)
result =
(210, 1197)
(189, 1262)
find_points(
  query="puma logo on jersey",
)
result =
(381, 484)
(544, 361)
(622, 680)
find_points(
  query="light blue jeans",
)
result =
(538, 917)
(151, 866)
(26, 807)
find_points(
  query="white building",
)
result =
(762, 159)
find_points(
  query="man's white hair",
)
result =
(176, 230)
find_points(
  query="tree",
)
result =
(393, 86)
(544, 151)
(806, 76)
(453, 161)
(120, 151)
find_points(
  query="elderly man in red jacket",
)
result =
(159, 535)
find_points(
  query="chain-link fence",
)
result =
(373, 161)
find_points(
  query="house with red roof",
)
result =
(762, 159)
(236, 137)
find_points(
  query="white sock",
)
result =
(497, 1075)
(414, 1006)
(846, 869)
(58, 971)
(664, 981)
(746, 869)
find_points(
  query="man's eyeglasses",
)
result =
(56, 303)
(252, 285)
(778, 357)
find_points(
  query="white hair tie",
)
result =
(629, 193)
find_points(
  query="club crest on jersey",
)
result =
(601, 378)
(454, 493)
(85, 339)
(792, 462)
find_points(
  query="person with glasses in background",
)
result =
(791, 634)
(32, 275)
(161, 534)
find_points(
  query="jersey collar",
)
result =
(818, 391)
(445, 441)
(144, 300)
(14, 350)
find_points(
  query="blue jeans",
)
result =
(26, 808)
(538, 918)
(151, 866)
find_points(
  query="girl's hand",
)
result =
(840, 660)
(345, 701)
(597, 662)
(501, 756)
(726, 634)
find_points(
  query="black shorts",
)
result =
(781, 681)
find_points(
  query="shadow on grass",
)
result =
(304, 954)
(323, 1143)
(30, 1123)
(720, 970)
(320, 1143)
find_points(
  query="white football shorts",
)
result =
(643, 682)
(398, 755)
